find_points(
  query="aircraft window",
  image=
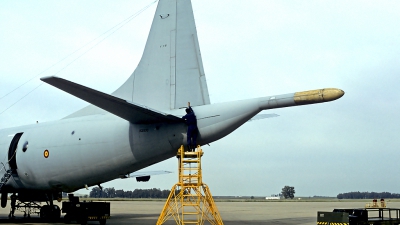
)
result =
(25, 146)
(73, 132)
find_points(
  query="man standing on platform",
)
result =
(192, 130)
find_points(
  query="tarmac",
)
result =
(232, 213)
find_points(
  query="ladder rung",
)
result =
(191, 213)
(191, 155)
(190, 222)
(186, 204)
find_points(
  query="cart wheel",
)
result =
(45, 212)
(67, 219)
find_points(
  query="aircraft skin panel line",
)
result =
(173, 70)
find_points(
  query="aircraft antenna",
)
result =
(105, 35)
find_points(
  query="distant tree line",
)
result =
(137, 193)
(367, 195)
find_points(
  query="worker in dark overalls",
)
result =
(13, 198)
(192, 131)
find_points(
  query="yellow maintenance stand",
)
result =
(190, 200)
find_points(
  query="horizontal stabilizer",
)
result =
(263, 116)
(119, 107)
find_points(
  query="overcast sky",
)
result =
(250, 49)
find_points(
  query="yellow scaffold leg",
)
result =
(190, 200)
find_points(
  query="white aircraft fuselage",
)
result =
(93, 149)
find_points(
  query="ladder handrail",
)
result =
(7, 175)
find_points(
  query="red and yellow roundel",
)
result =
(46, 153)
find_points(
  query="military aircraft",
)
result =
(137, 125)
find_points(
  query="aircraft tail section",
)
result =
(170, 73)
(218, 120)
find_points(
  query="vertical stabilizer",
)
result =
(170, 73)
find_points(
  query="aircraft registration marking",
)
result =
(46, 153)
(144, 130)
